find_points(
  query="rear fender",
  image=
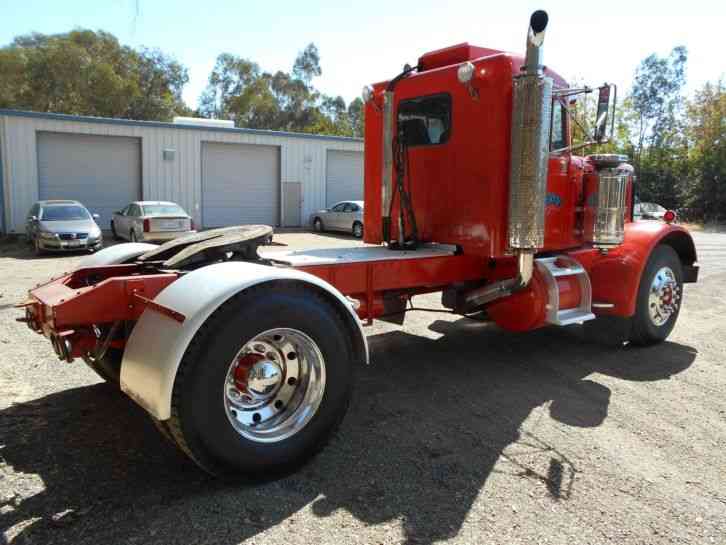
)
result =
(158, 343)
(116, 254)
(616, 276)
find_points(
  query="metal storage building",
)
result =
(221, 176)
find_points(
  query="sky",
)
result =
(369, 41)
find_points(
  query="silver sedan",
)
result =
(58, 226)
(344, 216)
(151, 221)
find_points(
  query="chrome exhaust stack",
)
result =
(530, 141)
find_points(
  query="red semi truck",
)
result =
(472, 189)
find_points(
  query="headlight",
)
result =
(48, 236)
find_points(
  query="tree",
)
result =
(705, 129)
(239, 90)
(89, 73)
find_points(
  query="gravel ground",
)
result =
(458, 432)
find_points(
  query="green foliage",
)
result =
(90, 73)
(239, 90)
(704, 191)
(677, 145)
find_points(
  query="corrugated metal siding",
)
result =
(302, 159)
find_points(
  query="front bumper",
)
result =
(69, 245)
(158, 236)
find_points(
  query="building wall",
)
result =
(302, 159)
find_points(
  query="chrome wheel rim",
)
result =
(664, 296)
(274, 385)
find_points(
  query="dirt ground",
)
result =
(458, 432)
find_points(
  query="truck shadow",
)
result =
(428, 422)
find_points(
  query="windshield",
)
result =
(64, 213)
(158, 209)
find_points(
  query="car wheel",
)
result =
(132, 236)
(358, 229)
(113, 232)
(659, 297)
(318, 225)
(264, 384)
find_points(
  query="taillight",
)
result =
(147, 225)
(669, 216)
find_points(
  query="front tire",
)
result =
(659, 297)
(242, 402)
(318, 225)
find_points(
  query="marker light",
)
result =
(465, 72)
(367, 93)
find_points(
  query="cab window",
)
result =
(425, 121)
(339, 207)
(559, 133)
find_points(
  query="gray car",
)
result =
(151, 221)
(59, 226)
(344, 216)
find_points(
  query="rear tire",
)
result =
(213, 434)
(659, 297)
(358, 229)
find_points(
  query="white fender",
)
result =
(158, 343)
(113, 255)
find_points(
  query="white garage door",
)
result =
(344, 176)
(240, 184)
(102, 172)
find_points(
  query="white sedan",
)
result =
(151, 221)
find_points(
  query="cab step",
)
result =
(553, 267)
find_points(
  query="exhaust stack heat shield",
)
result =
(531, 110)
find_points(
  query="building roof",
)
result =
(165, 125)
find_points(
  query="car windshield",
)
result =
(651, 207)
(159, 209)
(64, 213)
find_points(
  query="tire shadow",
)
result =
(428, 422)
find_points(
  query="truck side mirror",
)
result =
(600, 132)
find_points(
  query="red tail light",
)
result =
(669, 216)
(147, 225)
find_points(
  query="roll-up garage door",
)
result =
(102, 172)
(240, 184)
(344, 176)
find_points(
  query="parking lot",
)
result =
(458, 432)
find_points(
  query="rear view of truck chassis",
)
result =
(245, 358)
